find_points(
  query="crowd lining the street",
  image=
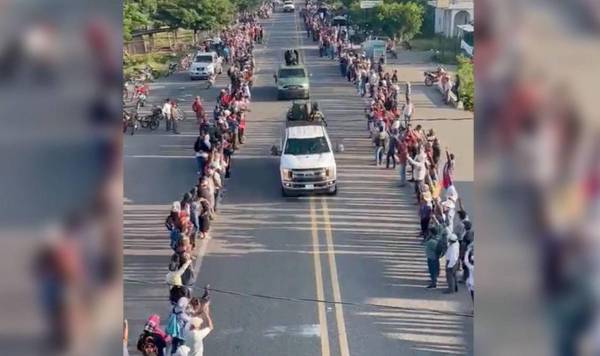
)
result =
(189, 220)
(446, 229)
(445, 226)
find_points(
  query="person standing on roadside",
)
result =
(469, 262)
(166, 111)
(174, 120)
(196, 332)
(198, 109)
(407, 111)
(202, 147)
(451, 262)
(433, 261)
(419, 171)
(391, 150)
(402, 159)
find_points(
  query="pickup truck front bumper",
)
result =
(328, 186)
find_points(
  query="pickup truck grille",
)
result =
(308, 175)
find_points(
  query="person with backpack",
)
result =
(451, 256)
(152, 339)
(178, 319)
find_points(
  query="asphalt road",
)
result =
(359, 246)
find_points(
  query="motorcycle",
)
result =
(152, 121)
(432, 77)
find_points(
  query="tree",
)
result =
(137, 15)
(245, 5)
(401, 20)
(466, 89)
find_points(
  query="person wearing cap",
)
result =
(198, 330)
(159, 337)
(451, 256)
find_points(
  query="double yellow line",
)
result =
(337, 297)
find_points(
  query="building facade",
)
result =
(449, 14)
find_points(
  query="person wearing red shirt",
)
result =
(198, 109)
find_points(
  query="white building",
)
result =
(449, 14)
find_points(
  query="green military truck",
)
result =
(292, 82)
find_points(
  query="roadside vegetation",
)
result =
(175, 26)
(466, 88)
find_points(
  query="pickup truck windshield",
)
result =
(306, 146)
(204, 59)
(292, 73)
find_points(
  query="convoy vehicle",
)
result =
(288, 6)
(205, 65)
(292, 82)
(307, 163)
(374, 48)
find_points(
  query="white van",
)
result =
(205, 64)
(306, 162)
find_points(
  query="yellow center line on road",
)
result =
(319, 282)
(335, 284)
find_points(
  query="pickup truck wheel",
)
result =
(285, 193)
(279, 95)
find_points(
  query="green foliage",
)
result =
(466, 88)
(188, 14)
(136, 14)
(245, 5)
(401, 19)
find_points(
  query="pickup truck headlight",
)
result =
(286, 174)
(330, 172)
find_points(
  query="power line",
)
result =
(313, 300)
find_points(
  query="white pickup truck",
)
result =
(205, 64)
(306, 163)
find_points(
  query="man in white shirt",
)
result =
(195, 333)
(451, 262)
(166, 111)
(419, 171)
(407, 111)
